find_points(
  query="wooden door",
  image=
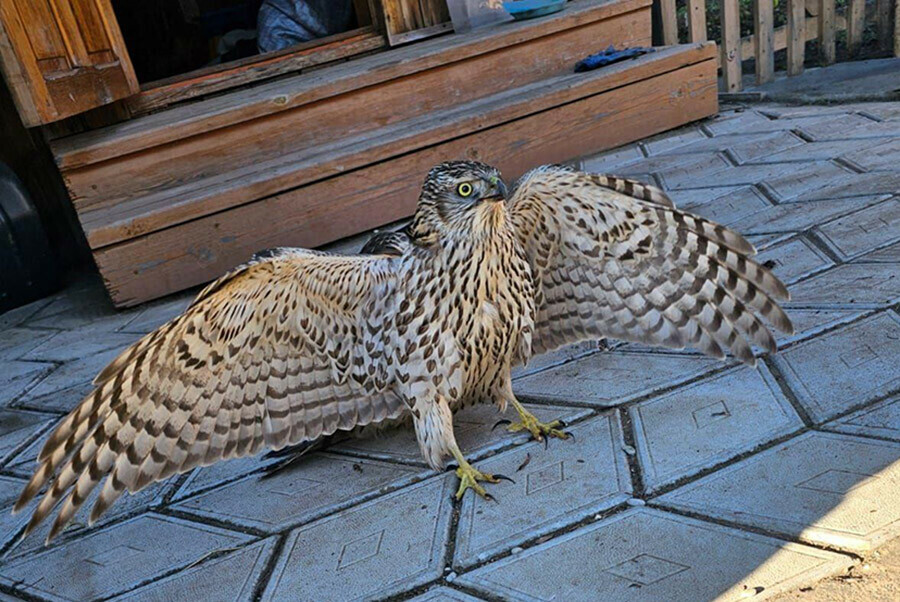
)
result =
(62, 57)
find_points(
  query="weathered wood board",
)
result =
(567, 118)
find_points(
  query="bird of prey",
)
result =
(296, 344)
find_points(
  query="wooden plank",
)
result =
(63, 60)
(409, 20)
(239, 73)
(826, 32)
(121, 221)
(253, 103)
(883, 23)
(669, 22)
(731, 45)
(897, 28)
(185, 169)
(764, 51)
(697, 20)
(856, 18)
(197, 251)
(796, 36)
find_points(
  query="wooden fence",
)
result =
(766, 39)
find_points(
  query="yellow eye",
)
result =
(465, 189)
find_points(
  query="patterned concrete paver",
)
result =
(444, 594)
(569, 481)
(116, 559)
(383, 547)
(880, 420)
(609, 379)
(844, 368)
(645, 554)
(231, 577)
(322, 484)
(824, 488)
(698, 426)
(814, 188)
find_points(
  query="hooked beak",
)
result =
(500, 192)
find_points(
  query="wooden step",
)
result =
(155, 245)
(161, 159)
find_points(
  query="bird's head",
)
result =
(461, 196)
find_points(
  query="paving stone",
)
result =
(738, 203)
(677, 167)
(696, 197)
(788, 112)
(214, 475)
(814, 181)
(669, 141)
(818, 151)
(69, 383)
(116, 559)
(558, 357)
(851, 286)
(472, 427)
(18, 376)
(17, 427)
(9, 491)
(844, 368)
(879, 420)
(866, 230)
(741, 121)
(810, 322)
(745, 175)
(646, 554)
(855, 184)
(794, 259)
(386, 546)
(889, 254)
(609, 379)
(229, 577)
(612, 160)
(79, 343)
(322, 484)
(709, 422)
(553, 487)
(156, 315)
(885, 111)
(17, 316)
(444, 594)
(128, 505)
(791, 217)
(847, 127)
(824, 488)
(16, 342)
(762, 242)
(744, 146)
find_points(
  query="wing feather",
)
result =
(613, 257)
(280, 351)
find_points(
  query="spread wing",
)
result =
(285, 349)
(613, 257)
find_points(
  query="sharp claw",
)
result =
(499, 422)
(561, 424)
(503, 477)
(489, 497)
(546, 441)
(569, 435)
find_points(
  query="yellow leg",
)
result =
(538, 429)
(469, 476)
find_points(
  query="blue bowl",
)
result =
(529, 9)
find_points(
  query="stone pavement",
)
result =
(689, 479)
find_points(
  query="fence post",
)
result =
(826, 32)
(669, 22)
(731, 45)
(883, 23)
(697, 20)
(764, 34)
(796, 36)
(856, 20)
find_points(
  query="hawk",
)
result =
(296, 344)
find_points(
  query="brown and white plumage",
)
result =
(296, 344)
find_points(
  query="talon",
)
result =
(503, 477)
(499, 422)
(489, 497)
(561, 424)
(568, 435)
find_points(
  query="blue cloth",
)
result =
(284, 23)
(610, 56)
